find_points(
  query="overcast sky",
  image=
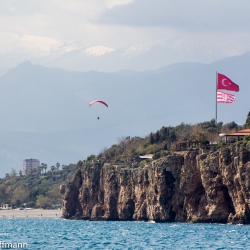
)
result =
(119, 23)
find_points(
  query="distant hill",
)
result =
(149, 55)
(37, 189)
(45, 112)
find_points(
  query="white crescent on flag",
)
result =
(225, 84)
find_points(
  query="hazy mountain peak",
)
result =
(135, 50)
(98, 50)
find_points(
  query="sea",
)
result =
(58, 233)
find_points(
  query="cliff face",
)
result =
(185, 187)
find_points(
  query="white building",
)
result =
(29, 164)
(148, 156)
(235, 136)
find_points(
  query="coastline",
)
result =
(31, 213)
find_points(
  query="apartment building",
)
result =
(29, 164)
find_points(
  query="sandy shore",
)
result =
(34, 213)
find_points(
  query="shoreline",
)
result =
(31, 213)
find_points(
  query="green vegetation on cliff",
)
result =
(33, 190)
(42, 190)
(165, 140)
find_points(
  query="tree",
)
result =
(151, 138)
(43, 201)
(151, 149)
(41, 169)
(21, 193)
(20, 173)
(165, 147)
(45, 167)
(164, 133)
(13, 172)
(247, 125)
(183, 131)
(54, 195)
(200, 137)
(52, 169)
(42, 166)
(57, 166)
(64, 167)
(232, 125)
(123, 141)
(172, 136)
(3, 194)
(9, 191)
(91, 157)
(157, 136)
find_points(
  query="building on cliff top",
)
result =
(187, 145)
(148, 156)
(234, 137)
(29, 165)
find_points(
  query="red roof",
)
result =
(243, 132)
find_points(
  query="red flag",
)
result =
(223, 97)
(225, 83)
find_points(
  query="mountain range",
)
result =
(150, 55)
(46, 115)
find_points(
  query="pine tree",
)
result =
(157, 136)
(151, 138)
(247, 125)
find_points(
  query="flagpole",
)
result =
(216, 97)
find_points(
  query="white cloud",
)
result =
(26, 42)
(112, 3)
(181, 14)
(118, 23)
(59, 19)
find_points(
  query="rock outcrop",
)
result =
(184, 187)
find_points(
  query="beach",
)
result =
(31, 213)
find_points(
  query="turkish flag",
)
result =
(225, 83)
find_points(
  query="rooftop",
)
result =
(243, 132)
(148, 156)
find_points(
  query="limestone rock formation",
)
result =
(189, 186)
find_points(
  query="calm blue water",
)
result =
(66, 234)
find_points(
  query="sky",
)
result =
(119, 23)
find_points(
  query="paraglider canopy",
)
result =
(104, 103)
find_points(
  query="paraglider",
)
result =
(104, 103)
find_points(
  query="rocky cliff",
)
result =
(186, 187)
